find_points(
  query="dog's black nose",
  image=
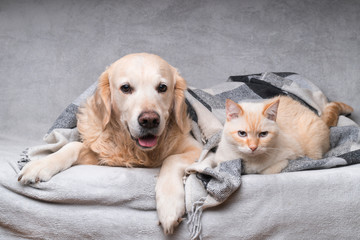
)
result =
(149, 119)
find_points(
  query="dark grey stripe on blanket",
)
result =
(306, 163)
(243, 78)
(238, 94)
(191, 112)
(199, 99)
(351, 157)
(271, 87)
(343, 135)
(224, 180)
(218, 101)
(67, 118)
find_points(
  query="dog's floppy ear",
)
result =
(180, 109)
(103, 98)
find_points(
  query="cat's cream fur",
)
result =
(267, 134)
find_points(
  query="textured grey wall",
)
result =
(50, 51)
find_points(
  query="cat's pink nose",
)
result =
(253, 147)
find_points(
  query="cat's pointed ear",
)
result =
(233, 110)
(271, 109)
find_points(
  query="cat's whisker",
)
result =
(277, 149)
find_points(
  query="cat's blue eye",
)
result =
(242, 133)
(263, 134)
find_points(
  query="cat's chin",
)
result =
(252, 153)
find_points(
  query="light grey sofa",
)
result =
(52, 51)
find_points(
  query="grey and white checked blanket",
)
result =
(206, 187)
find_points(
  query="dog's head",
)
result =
(141, 91)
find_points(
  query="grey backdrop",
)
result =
(50, 51)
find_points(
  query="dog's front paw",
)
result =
(36, 171)
(170, 210)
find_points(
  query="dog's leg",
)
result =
(170, 194)
(43, 169)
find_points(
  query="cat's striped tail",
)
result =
(332, 111)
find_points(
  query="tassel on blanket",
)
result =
(194, 219)
(219, 184)
(24, 158)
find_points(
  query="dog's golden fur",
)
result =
(106, 148)
(112, 133)
(107, 142)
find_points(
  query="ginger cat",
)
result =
(267, 134)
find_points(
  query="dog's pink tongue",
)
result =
(149, 141)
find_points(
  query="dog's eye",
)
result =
(162, 88)
(126, 88)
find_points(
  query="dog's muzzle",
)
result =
(149, 122)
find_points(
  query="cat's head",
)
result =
(251, 126)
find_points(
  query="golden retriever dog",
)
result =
(136, 118)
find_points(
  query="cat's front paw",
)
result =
(195, 167)
(208, 162)
(170, 210)
(276, 168)
(36, 171)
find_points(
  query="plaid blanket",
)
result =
(206, 187)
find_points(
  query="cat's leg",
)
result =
(209, 161)
(43, 169)
(276, 168)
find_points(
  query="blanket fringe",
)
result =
(194, 219)
(24, 158)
